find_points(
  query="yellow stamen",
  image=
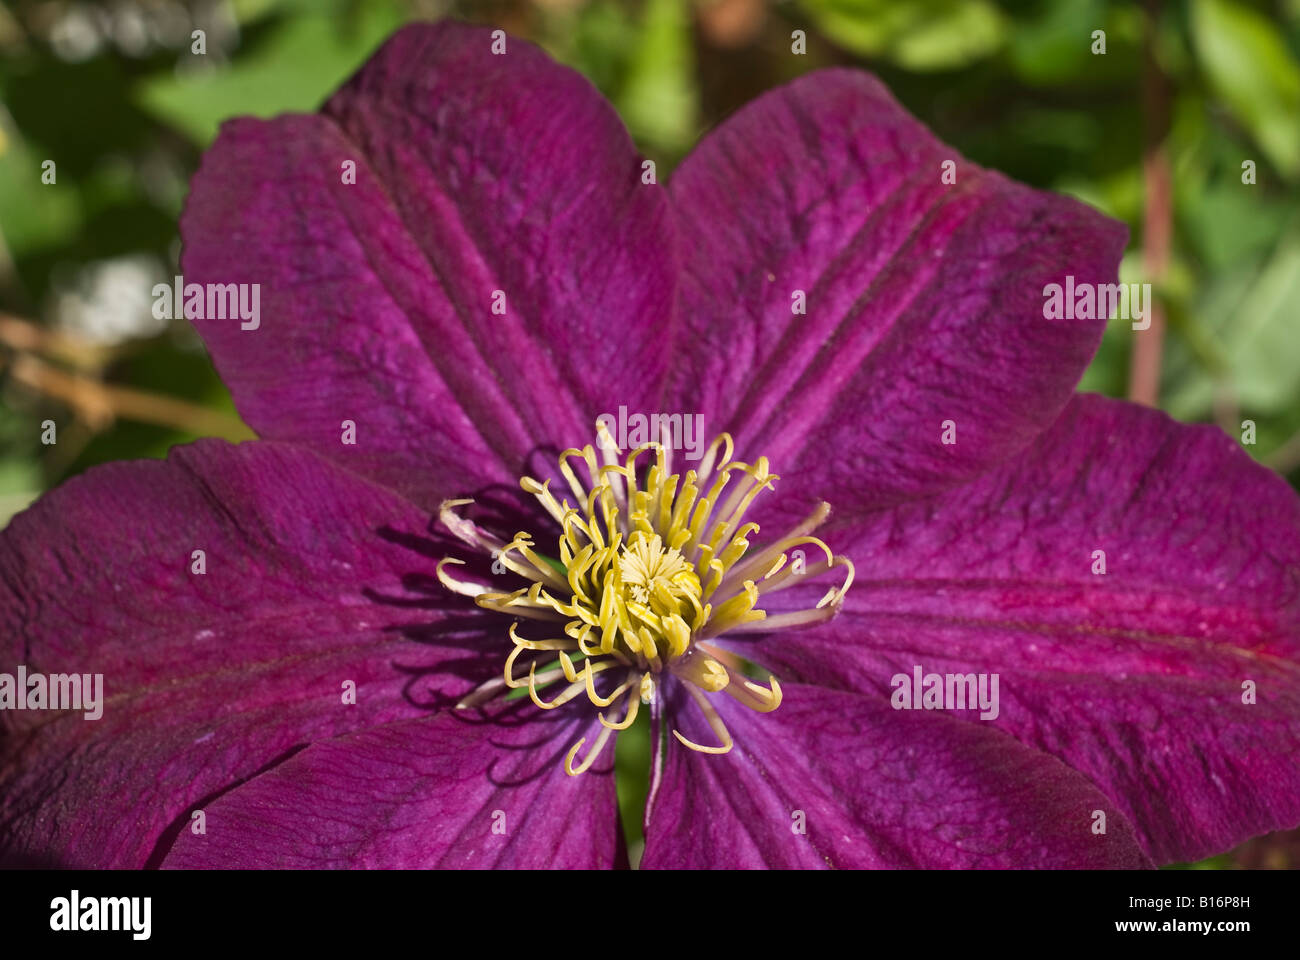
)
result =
(601, 739)
(715, 723)
(633, 704)
(650, 566)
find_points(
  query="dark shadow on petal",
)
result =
(31, 861)
(167, 838)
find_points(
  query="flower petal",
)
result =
(475, 173)
(447, 791)
(873, 787)
(925, 300)
(1138, 677)
(314, 580)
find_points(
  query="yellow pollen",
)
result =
(650, 567)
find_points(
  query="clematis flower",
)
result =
(403, 627)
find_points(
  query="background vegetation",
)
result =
(1154, 132)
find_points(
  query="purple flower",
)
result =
(463, 266)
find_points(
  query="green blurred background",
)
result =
(1153, 132)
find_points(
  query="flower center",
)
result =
(654, 590)
(650, 566)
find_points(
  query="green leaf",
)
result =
(20, 483)
(34, 215)
(920, 35)
(1057, 46)
(294, 70)
(1256, 330)
(1233, 222)
(1249, 66)
(658, 100)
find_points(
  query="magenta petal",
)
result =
(314, 578)
(475, 173)
(873, 787)
(446, 791)
(924, 299)
(1136, 677)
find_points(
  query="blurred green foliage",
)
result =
(925, 35)
(113, 93)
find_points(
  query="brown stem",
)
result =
(1286, 457)
(25, 336)
(99, 403)
(1157, 216)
